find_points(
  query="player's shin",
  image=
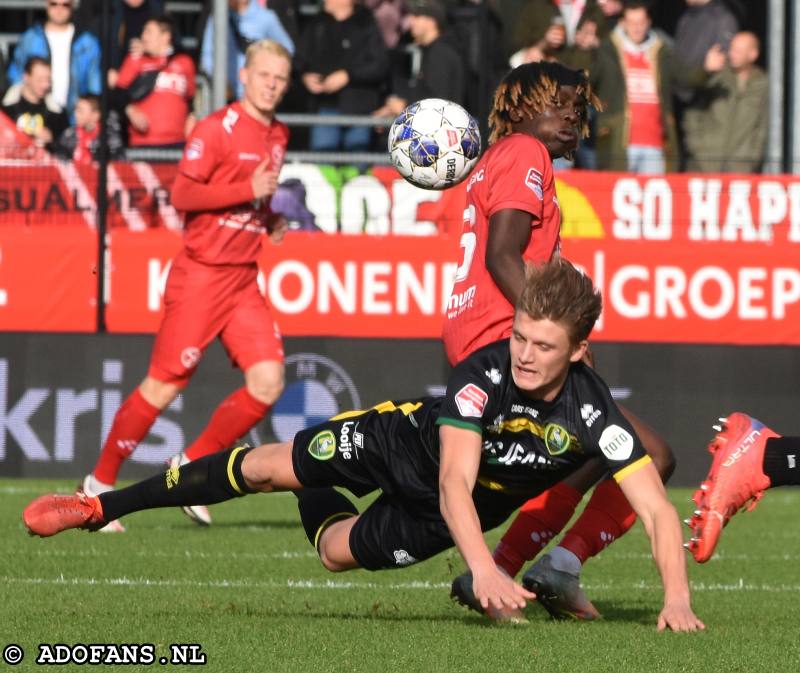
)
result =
(538, 521)
(210, 480)
(607, 516)
(233, 418)
(319, 508)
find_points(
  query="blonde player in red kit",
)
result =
(512, 218)
(226, 178)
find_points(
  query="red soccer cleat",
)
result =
(736, 479)
(52, 513)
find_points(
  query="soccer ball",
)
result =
(434, 143)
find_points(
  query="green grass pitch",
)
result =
(250, 591)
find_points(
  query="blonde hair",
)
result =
(271, 46)
(557, 291)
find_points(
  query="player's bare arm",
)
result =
(647, 496)
(509, 233)
(460, 454)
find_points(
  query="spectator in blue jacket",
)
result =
(73, 53)
(247, 22)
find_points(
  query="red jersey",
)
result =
(515, 173)
(167, 105)
(646, 127)
(83, 145)
(224, 149)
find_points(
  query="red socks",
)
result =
(607, 516)
(538, 521)
(131, 424)
(239, 412)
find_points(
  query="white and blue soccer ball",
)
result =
(434, 143)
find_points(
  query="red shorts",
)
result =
(202, 302)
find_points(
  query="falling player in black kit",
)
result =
(509, 426)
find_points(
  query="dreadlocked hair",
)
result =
(531, 87)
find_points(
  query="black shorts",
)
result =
(389, 535)
(404, 525)
(368, 451)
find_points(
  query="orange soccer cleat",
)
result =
(53, 513)
(736, 479)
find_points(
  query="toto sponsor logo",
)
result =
(616, 443)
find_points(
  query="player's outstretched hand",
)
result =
(264, 181)
(496, 589)
(679, 617)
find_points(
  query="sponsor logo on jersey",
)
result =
(461, 301)
(522, 409)
(533, 180)
(494, 375)
(194, 150)
(323, 445)
(589, 414)
(249, 156)
(190, 357)
(471, 400)
(616, 443)
(347, 446)
(403, 558)
(476, 177)
(556, 439)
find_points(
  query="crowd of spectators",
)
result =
(694, 100)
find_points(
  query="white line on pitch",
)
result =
(222, 584)
(186, 554)
(738, 585)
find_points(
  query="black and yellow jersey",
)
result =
(530, 445)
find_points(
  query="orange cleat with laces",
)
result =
(53, 513)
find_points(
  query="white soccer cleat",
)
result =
(197, 513)
(92, 487)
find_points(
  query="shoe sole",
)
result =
(188, 511)
(551, 603)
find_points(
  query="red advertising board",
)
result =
(370, 286)
(48, 279)
(680, 258)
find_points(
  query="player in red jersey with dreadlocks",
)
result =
(512, 219)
